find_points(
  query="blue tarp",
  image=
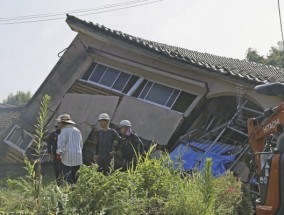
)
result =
(188, 155)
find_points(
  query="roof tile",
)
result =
(248, 71)
(8, 117)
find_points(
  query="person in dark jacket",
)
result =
(106, 138)
(51, 148)
(130, 146)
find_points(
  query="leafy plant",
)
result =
(229, 195)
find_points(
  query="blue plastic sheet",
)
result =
(190, 157)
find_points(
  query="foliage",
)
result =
(275, 57)
(246, 205)
(19, 99)
(227, 188)
(253, 56)
(152, 187)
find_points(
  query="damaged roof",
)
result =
(8, 113)
(6, 106)
(232, 68)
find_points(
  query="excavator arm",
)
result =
(269, 162)
(260, 129)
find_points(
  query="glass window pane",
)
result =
(130, 84)
(26, 141)
(109, 77)
(183, 102)
(16, 135)
(121, 81)
(173, 98)
(146, 89)
(159, 94)
(139, 89)
(98, 73)
(87, 75)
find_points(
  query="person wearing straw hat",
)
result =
(70, 144)
(105, 144)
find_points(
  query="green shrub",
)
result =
(229, 194)
(154, 187)
(137, 191)
(246, 205)
(185, 199)
(193, 194)
(97, 193)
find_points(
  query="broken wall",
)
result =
(85, 109)
(151, 122)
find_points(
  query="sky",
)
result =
(28, 52)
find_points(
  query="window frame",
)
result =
(175, 98)
(173, 89)
(107, 87)
(151, 102)
(139, 81)
(119, 72)
(13, 145)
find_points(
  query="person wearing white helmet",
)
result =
(130, 145)
(106, 138)
(69, 150)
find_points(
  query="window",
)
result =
(121, 81)
(140, 88)
(173, 98)
(89, 72)
(19, 138)
(97, 73)
(110, 78)
(165, 96)
(183, 101)
(130, 84)
(159, 94)
(146, 89)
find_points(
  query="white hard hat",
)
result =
(125, 123)
(104, 116)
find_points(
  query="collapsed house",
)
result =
(8, 115)
(170, 94)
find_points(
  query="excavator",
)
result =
(269, 155)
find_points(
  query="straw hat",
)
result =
(65, 118)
